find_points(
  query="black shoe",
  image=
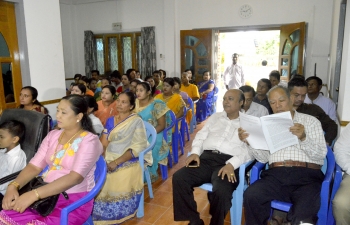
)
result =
(201, 222)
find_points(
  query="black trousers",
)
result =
(1, 197)
(185, 179)
(300, 186)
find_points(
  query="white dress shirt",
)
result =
(342, 150)
(220, 133)
(234, 76)
(313, 149)
(256, 109)
(325, 103)
(11, 162)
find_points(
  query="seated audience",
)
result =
(177, 88)
(150, 80)
(153, 111)
(264, 85)
(172, 100)
(71, 154)
(218, 154)
(315, 97)
(123, 139)
(191, 80)
(78, 89)
(205, 103)
(12, 157)
(104, 82)
(274, 77)
(298, 89)
(126, 84)
(157, 81)
(133, 85)
(116, 79)
(85, 81)
(190, 89)
(138, 76)
(93, 85)
(131, 73)
(162, 74)
(29, 101)
(77, 77)
(294, 173)
(107, 104)
(93, 107)
(341, 203)
(95, 74)
(250, 107)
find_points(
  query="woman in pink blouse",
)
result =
(71, 154)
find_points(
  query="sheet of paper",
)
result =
(252, 125)
(276, 130)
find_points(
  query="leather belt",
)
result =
(215, 152)
(290, 163)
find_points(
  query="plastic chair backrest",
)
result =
(100, 178)
(172, 116)
(36, 125)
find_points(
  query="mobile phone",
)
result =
(193, 164)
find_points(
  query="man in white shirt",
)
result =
(217, 154)
(294, 173)
(315, 97)
(234, 75)
(250, 107)
(341, 203)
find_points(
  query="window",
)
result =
(118, 52)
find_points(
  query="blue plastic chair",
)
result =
(100, 177)
(151, 133)
(338, 177)
(164, 168)
(193, 123)
(327, 168)
(179, 136)
(237, 195)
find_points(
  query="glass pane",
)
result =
(100, 55)
(6, 70)
(295, 36)
(189, 59)
(203, 62)
(190, 40)
(284, 72)
(284, 62)
(127, 60)
(113, 53)
(201, 50)
(294, 60)
(287, 47)
(138, 52)
(4, 49)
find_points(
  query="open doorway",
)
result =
(258, 55)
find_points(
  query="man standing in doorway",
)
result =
(234, 75)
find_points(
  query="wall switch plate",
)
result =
(116, 26)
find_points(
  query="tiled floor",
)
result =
(159, 210)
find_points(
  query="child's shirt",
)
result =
(11, 162)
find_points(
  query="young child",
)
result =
(12, 157)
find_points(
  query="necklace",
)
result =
(59, 140)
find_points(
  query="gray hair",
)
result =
(286, 91)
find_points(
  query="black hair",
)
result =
(136, 81)
(128, 72)
(79, 105)
(266, 81)
(177, 80)
(131, 97)
(296, 82)
(247, 88)
(91, 102)
(111, 89)
(78, 75)
(127, 76)
(170, 81)
(34, 93)
(107, 79)
(116, 74)
(156, 71)
(81, 87)
(319, 81)
(162, 71)
(241, 97)
(276, 74)
(188, 70)
(297, 76)
(95, 71)
(15, 128)
(206, 71)
(154, 87)
(147, 86)
(85, 79)
(235, 54)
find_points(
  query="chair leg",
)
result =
(176, 139)
(149, 183)
(186, 130)
(164, 172)
(140, 210)
(170, 161)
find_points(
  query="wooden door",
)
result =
(11, 80)
(196, 52)
(291, 53)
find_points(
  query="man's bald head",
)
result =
(233, 101)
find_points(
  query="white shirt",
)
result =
(96, 124)
(313, 149)
(220, 133)
(11, 162)
(342, 150)
(325, 103)
(256, 109)
(234, 76)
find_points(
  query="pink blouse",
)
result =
(82, 161)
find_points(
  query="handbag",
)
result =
(43, 206)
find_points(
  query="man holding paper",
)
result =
(294, 173)
(216, 156)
